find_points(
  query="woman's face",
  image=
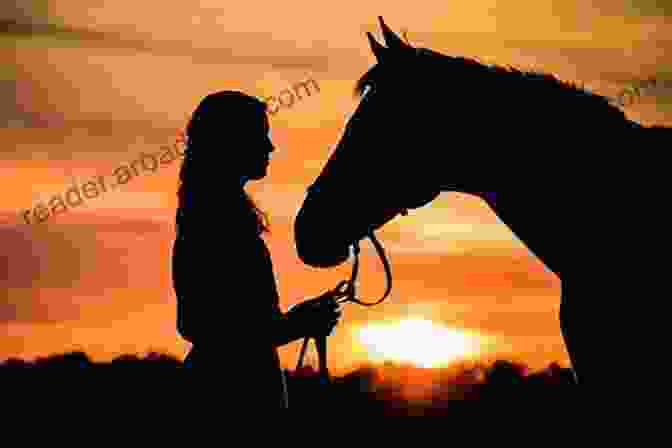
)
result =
(258, 150)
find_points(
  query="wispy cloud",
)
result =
(61, 35)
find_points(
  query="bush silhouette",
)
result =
(366, 389)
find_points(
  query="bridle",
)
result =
(345, 292)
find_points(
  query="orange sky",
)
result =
(98, 277)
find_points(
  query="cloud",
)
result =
(66, 80)
(481, 272)
(61, 35)
(86, 267)
(30, 258)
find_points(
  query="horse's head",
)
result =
(386, 161)
(426, 123)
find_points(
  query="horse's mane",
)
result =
(506, 83)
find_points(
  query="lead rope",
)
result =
(347, 295)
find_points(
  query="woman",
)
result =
(227, 300)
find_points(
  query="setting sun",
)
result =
(418, 341)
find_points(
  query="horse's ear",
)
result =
(378, 50)
(392, 41)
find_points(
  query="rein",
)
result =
(345, 292)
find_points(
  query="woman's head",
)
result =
(230, 130)
(227, 145)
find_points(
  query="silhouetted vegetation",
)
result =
(388, 389)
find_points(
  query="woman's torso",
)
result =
(226, 296)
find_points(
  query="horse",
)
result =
(533, 147)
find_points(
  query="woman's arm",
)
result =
(318, 315)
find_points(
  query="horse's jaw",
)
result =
(319, 243)
(323, 235)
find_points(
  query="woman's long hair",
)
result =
(220, 116)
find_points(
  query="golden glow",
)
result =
(418, 341)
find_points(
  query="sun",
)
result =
(418, 341)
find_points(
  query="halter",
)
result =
(348, 295)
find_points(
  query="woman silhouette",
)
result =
(227, 301)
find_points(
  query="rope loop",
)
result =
(345, 292)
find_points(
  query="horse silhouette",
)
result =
(535, 148)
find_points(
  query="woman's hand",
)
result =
(315, 317)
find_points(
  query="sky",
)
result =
(96, 87)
